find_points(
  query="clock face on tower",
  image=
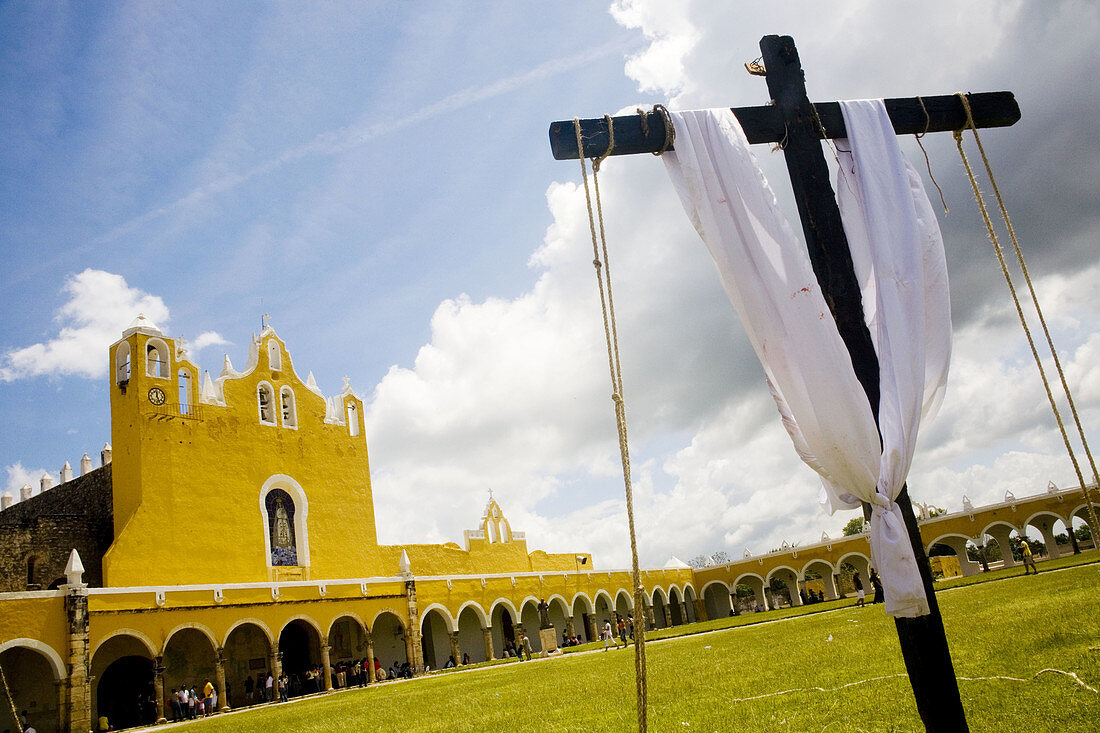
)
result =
(156, 396)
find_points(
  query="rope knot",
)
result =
(616, 398)
(596, 264)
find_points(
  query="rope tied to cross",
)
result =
(602, 264)
(992, 234)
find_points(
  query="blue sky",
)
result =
(377, 178)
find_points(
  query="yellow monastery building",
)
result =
(230, 533)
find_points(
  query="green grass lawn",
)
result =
(1014, 628)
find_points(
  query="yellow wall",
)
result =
(187, 491)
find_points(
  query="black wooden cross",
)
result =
(801, 125)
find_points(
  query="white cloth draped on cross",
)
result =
(899, 262)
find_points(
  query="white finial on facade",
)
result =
(26, 492)
(66, 472)
(404, 564)
(46, 481)
(1052, 488)
(265, 321)
(967, 505)
(85, 464)
(227, 368)
(209, 393)
(747, 553)
(6, 500)
(490, 494)
(105, 454)
(347, 385)
(824, 536)
(74, 569)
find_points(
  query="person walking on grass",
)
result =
(858, 583)
(1029, 560)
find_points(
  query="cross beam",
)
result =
(801, 125)
(765, 124)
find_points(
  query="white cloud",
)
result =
(204, 339)
(18, 477)
(100, 306)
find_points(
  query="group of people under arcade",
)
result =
(618, 633)
(186, 703)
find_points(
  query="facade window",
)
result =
(122, 363)
(290, 416)
(156, 358)
(266, 399)
(353, 420)
(274, 358)
(280, 527)
(185, 392)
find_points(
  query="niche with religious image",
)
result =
(280, 523)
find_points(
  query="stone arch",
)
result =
(247, 648)
(716, 599)
(1045, 521)
(659, 600)
(584, 616)
(477, 610)
(472, 622)
(755, 582)
(529, 617)
(588, 606)
(624, 603)
(436, 626)
(189, 658)
(300, 520)
(288, 408)
(689, 603)
(675, 606)
(157, 361)
(504, 618)
(559, 615)
(958, 543)
(122, 679)
(387, 634)
(150, 648)
(826, 585)
(123, 364)
(33, 671)
(60, 669)
(449, 621)
(255, 622)
(299, 647)
(846, 565)
(204, 630)
(789, 577)
(347, 640)
(274, 356)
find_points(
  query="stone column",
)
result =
(326, 666)
(79, 688)
(275, 660)
(61, 692)
(651, 622)
(734, 605)
(592, 635)
(370, 658)
(158, 687)
(569, 630)
(413, 649)
(219, 679)
(1046, 527)
(1001, 533)
(487, 635)
(668, 614)
(684, 613)
(1072, 537)
(456, 652)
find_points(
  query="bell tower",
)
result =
(150, 378)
